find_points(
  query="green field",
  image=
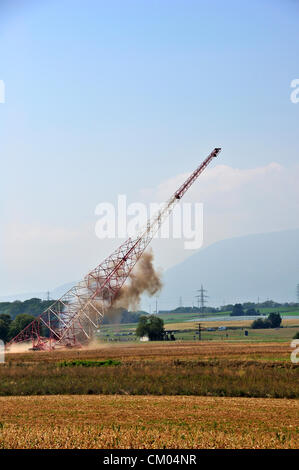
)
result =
(120, 333)
(177, 317)
(184, 326)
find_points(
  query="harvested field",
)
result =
(148, 422)
(163, 351)
(294, 322)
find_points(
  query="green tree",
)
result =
(156, 330)
(5, 322)
(237, 310)
(142, 327)
(252, 311)
(33, 306)
(151, 326)
(274, 319)
(19, 323)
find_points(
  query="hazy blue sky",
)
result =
(114, 97)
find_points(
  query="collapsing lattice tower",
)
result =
(72, 320)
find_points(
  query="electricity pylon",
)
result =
(201, 298)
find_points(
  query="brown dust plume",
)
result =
(143, 279)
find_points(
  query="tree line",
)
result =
(15, 316)
(32, 307)
(10, 328)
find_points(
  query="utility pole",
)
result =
(199, 332)
(297, 290)
(181, 301)
(201, 298)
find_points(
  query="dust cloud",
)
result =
(19, 347)
(143, 279)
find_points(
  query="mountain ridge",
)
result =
(240, 269)
(237, 269)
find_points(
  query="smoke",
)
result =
(143, 279)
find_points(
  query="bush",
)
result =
(273, 321)
(86, 363)
(296, 336)
(259, 323)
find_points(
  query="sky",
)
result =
(127, 97)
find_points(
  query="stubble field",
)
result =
(154, 395)
(148, 422)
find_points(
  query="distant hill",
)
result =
(54, 294)
(32, 306)
(234, 270)
(239, 269)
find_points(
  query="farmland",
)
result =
(184, 327)
(182, 394)
(160, 368)
(148, 422)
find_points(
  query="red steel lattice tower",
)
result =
(72, 320)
